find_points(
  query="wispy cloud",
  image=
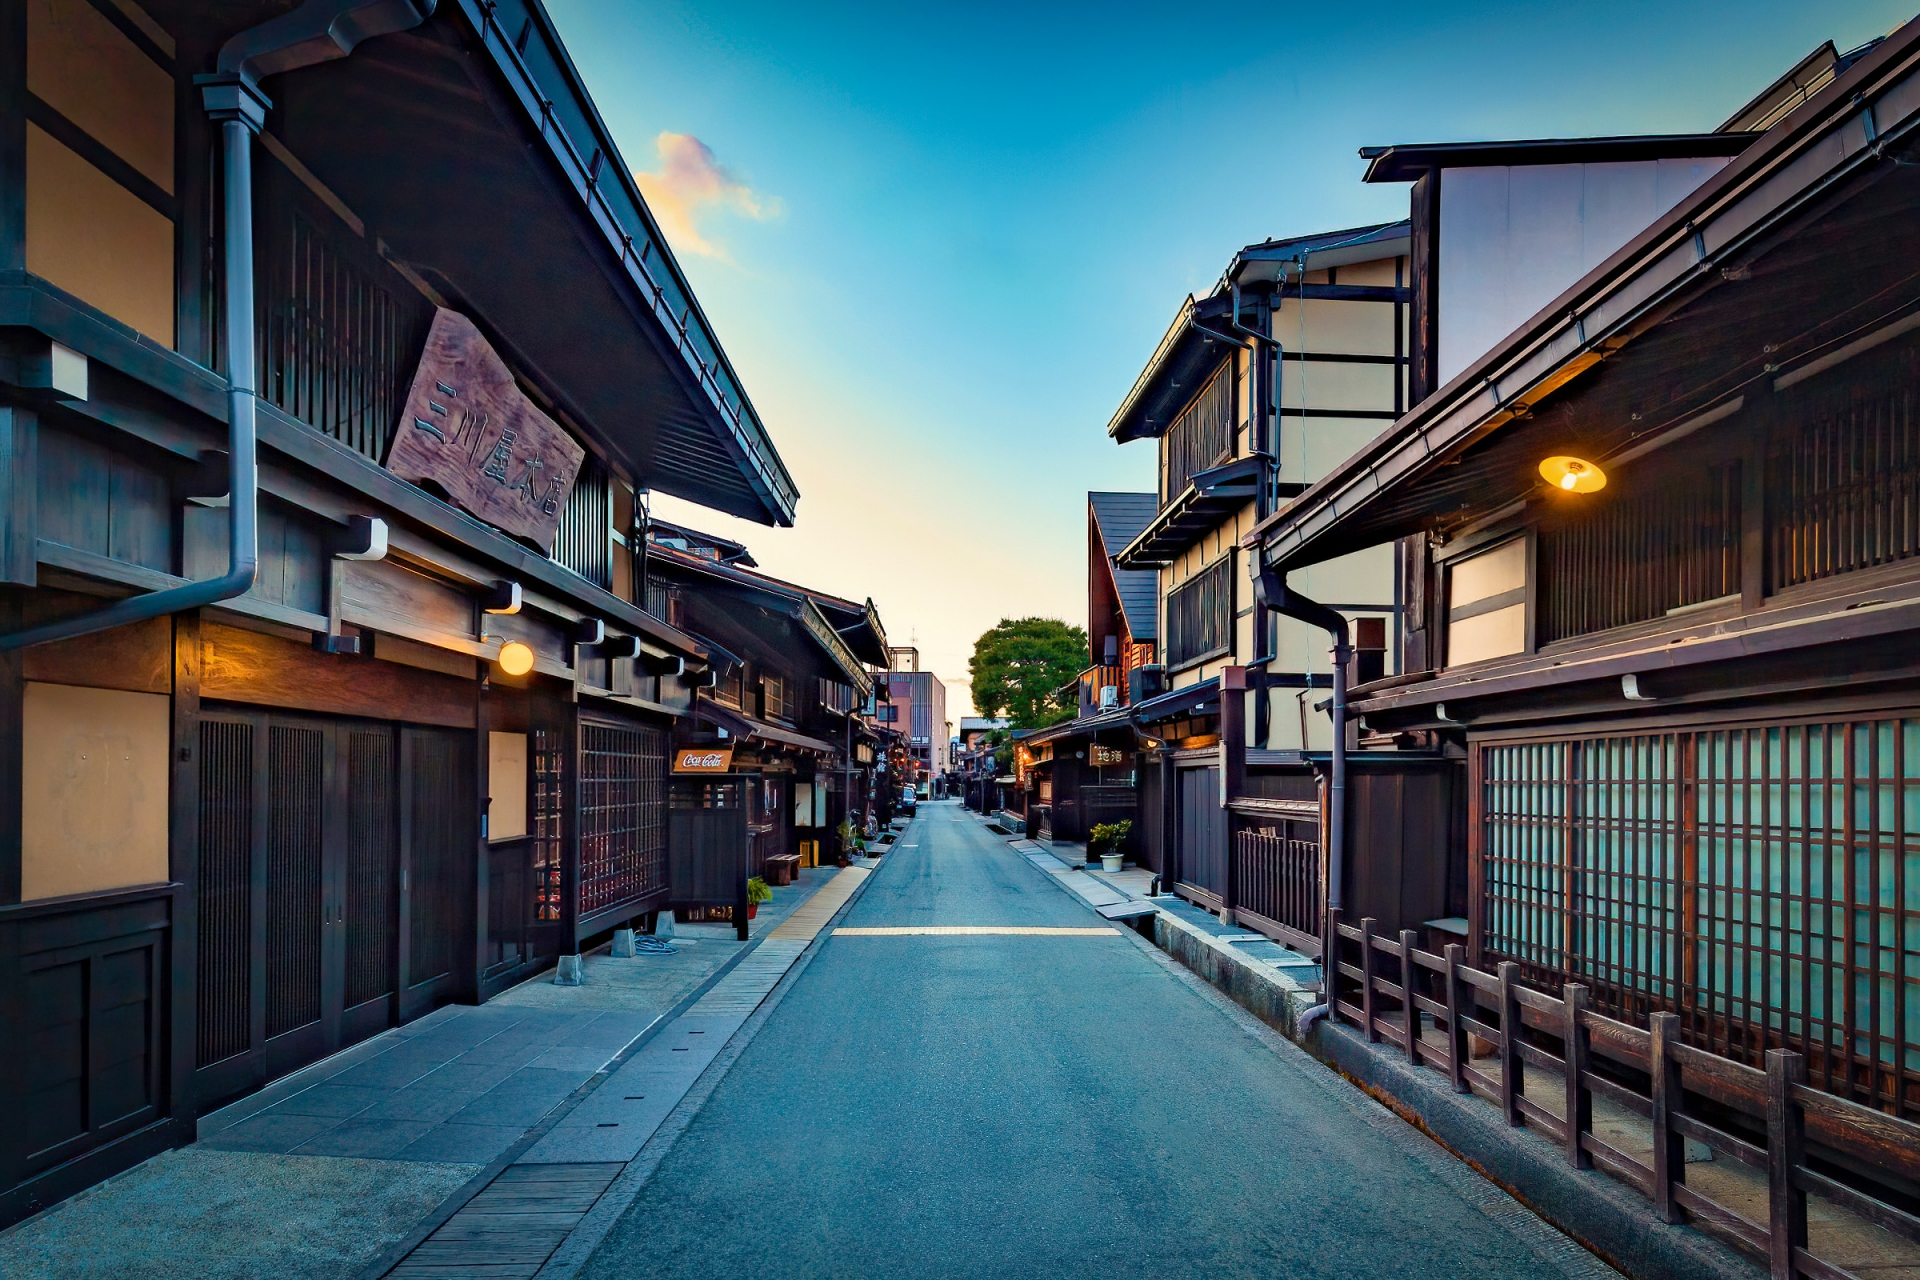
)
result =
(689, 184)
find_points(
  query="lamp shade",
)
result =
(516, 659)
(1574, 475)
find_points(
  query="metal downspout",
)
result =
(1271, 589)
(318, 31)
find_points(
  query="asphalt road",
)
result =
(1057, 1106)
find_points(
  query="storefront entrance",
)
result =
(335, 864)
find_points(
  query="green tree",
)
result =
(1019, 666)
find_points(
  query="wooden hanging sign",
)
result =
(469, 431)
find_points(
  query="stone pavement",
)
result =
(324, 1170)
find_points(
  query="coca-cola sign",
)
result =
(703, 760)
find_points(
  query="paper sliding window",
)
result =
(1487, 604)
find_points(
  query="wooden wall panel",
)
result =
(374, 590)
(137, 658)
(246, 666)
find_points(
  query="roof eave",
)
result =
(717, 392)
(1570, 333)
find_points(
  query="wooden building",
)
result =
(1085, 769)
(330, 365)
(1664, 595)
(780, 749)
(1297, 357)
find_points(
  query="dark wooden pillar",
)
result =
(1169, 821)
(183, 867)
(1233, 773)
(482, 863)
(13, 135)
(1424, 278)
(12, 711)
(570, 826)
(1753, 508)
(19, 495)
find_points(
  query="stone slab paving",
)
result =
(325, 1169)
(231, 1215)
(606, 1129)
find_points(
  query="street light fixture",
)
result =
(1574, 475)
(516, 659)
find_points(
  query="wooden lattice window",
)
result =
(1843, 489)
(337, 348)
(623, 782)
(1200, 615)
(1759, 880)
(549, 806)
(1202, 436)
(584, 542)
(1642, 554)
(773, 698)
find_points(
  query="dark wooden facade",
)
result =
(794, 678)
(332, 809)
(1687, 702)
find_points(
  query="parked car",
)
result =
(909, 801)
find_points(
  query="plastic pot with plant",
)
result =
(758, 891)
(1105, 840)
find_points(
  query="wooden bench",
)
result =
(781, 868)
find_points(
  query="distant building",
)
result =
(917, 709)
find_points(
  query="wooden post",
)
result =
(1459, 1005)
(1669, 1146)
(1233, 775)
(1786, 1152)
(1366, 979)
(1409, 972)
(1579, 1059)
(1512, 1082)
(183, 850)
(1330, 964)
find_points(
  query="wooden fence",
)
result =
(1805, 1142)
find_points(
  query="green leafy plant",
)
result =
(1109, 835)
(758, 891)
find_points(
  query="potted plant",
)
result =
(758, 891)
(1106, 839)
(851, 845)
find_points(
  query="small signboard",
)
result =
(1103, 756)
(468, 431)
(703, 760)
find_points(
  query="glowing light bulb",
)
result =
(1574, 475)
(516, 659)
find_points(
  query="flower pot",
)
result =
(753, 909)
(1109, 862)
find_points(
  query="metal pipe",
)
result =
(1271, 590)
(243, 549)
(318, 31)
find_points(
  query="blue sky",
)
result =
(938, 243)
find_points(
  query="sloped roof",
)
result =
(1120, 517)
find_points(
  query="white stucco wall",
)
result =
(1514, 238)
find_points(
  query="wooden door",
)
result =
(1201, 829)
(297, 886)
(440, 843)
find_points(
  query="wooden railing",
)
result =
(1863, 1156)
(1276, 877)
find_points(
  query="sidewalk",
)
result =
(324, 1170)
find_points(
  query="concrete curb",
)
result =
(1601, 1213)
